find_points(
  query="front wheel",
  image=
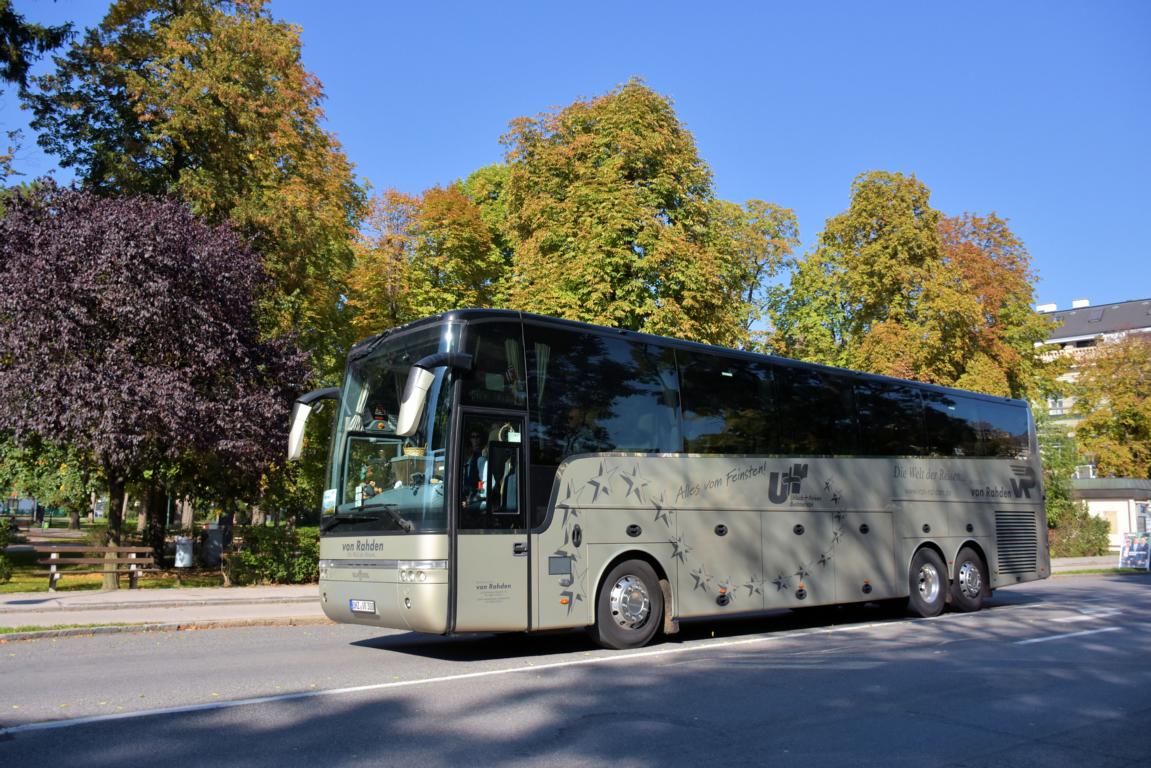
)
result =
(970, 585)
(629, 607)
(928, 584)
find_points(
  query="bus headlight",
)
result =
(413, 576)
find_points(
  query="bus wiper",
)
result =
(366, 517)
(399, 519)
(346, 517)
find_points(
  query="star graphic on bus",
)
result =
(781, 583)
(601, 483)
(754, 586)
(635, 484)
(568, 508)
(802, 572)
(678, 548)
(824, 559)
(702, 579)
(661, 513)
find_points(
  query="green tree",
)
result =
(1072, 530)
(610, 217)
(208, 100)
(762, 237)
(424, 255)
(893, 287)
(378, 296)
(58, 476)
(21, 43)
(1113, 397)
(995, 266)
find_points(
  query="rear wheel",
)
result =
(629, 607)
(970, 585)
(928, 584)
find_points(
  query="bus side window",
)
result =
(728, 405)
(816, 413)
(1003, 428)
(951, 421)
(890, 419)
(497, 378)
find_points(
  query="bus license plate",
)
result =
(362, 606)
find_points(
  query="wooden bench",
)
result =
(130, 560)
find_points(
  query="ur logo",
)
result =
(1024, 481)
(779, 488)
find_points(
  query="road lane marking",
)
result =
(1085, 616)
(1067, 635)
(614, 658)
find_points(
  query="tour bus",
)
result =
(497, 471)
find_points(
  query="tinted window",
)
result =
(1003, 429)
(816, 413)
(890, 419)
(727, 405)
(951, 423)
(590, 392)
(497, 379)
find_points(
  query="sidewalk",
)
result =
(90, 612)
(158, 609)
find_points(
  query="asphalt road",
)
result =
(1053, 674)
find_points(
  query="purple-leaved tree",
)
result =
(127, 331)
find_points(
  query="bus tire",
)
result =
(629, 607)
(969, 587)
(928, 584)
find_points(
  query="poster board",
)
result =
(1136, 551)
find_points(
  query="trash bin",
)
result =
(212, 545)
(183, 551)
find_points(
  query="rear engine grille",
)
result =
(1017, 542)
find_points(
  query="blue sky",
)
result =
(1038, 111)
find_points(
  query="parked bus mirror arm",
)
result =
(420, 379)
(301, 410)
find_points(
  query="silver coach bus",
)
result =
(499, 471)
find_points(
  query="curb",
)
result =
(43, 634)
(166, 604)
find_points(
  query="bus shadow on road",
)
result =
(494, 647)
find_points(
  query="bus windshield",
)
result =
(378, 482)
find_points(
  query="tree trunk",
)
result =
(116, 503)
(157, 521)
(187, 513)
(146, 511)
(258, 516)
(73, 517)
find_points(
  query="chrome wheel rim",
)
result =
(630, 603)
(929, 583)
(970, 580)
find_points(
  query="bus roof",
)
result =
(363, 347)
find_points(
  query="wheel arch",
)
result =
(937, 549)
(647, 557)
(978, 549)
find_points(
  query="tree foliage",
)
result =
(1072, 530)
(21, 43)
(208, 100)
(1113, 397)
(128, 334)
(893, 287)
(56, 475)
(611, 218)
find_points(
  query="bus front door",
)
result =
(491, 552)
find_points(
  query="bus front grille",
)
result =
(1017, 542)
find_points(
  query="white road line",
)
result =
(1086, 617)
(1066, 636)
(618, 657)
